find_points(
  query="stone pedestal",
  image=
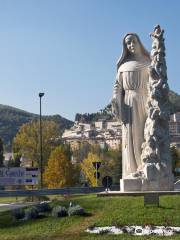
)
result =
(138, 184)
(130, 185)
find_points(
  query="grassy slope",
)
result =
(105, 211)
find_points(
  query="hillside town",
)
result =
(108, 132)
(89, 120)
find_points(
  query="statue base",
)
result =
(130, 185)
(138, 184)
(153, 177)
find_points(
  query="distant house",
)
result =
(109, 132)
(101, 132)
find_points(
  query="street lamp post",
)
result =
(40, 133)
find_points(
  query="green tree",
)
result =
(175, 155)
(1, 153)
(112, 164)
(27, 142)
(10, 162)
(17, 159)
(59, 171)
(81, 151)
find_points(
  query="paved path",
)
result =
(10, 206)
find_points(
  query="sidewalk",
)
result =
(10, 206)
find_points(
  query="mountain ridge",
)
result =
(12, 118)
(174, 104)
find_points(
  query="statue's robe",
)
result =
(131, 92)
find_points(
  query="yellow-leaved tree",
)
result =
(60, 172)
(26, 141)
(88, 169)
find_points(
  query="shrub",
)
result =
(43, 207)
(31, 213)
(59, 211)
(18, 213)
(76, 210)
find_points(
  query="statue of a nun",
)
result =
(129, 102)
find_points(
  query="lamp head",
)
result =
(41, 95)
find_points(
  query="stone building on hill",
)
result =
(106, 132)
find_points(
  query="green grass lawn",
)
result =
(103, 212)
(11, 199)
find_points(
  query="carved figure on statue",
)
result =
(140, 102)
(130, 97)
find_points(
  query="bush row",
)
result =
(57, 211)
(60, 211)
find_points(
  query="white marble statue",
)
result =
(140, 101)
(129, 101)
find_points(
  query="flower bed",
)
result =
(136, 230)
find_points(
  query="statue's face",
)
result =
(132, 44)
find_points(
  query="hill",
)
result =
(175, 102)
(12, 118)
(105, 113)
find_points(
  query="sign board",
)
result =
(96, 165)
(18, 176)
(151, 198)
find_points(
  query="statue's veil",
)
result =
(124, 54)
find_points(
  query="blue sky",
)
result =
(69, 48)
